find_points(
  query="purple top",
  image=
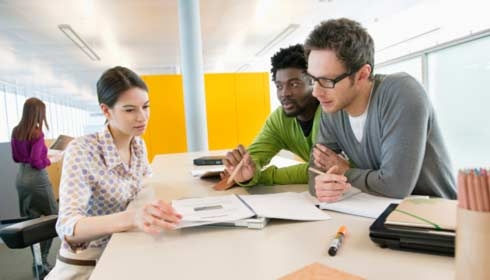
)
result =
(33, 152)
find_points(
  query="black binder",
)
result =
(411, 239)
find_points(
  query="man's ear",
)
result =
(364, 72)
(105, 110)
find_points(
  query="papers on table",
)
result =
(209, 210)
(287, 205)
(207, 170)
(358, 203)
(218, 209)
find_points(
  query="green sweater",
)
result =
(282, 133)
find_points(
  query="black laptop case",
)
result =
(411, 239)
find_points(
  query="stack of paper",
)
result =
(219, 209)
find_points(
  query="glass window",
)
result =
(411, 66)
(49, 117)
(459, 90)
(55, 119)
(11, 103)
(20, 104)
(62, 118)
(4, 131)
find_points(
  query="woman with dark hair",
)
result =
(102, 173)
(36, 197)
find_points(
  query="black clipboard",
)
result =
(61, 142)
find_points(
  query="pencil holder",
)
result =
(472, 245)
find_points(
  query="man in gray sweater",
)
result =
(385, 124)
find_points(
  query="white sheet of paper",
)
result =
(213, 209)
(287, 205)
(360, 204)
(198, 171)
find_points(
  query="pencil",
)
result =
(477, 190)
(471, 191)
(235, 171)
(316, 171)
(484, 190)
(462, 191)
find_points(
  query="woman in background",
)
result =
(36, 197)
(102, 173)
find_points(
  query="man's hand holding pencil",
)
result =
(330, 185)
(239, 165)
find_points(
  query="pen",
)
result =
(235, 171)
(337, 241)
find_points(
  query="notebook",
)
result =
(355, 202)
(411, 238)
(430, 213)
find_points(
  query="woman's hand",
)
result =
(156, 216)
(55, 156)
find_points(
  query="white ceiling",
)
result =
(144, 35)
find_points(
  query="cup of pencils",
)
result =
(473, 224)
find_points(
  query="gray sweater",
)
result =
(402, 150)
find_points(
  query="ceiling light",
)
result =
(243, 68)
(77, 40)
(279, 37)
(408, 39)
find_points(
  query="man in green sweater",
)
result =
(292, 127)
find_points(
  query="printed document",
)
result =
(211, 210)
(358, 203)
(220, 209)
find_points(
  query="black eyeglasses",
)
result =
(328, 83)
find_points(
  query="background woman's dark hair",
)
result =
(290, 57)
(115, 81)
(351, 42)
(31, 123)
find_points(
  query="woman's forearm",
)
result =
(91, 228)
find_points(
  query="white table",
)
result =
(240, 253)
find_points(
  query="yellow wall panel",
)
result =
(166, 129)
(253, 104)
(236, 107)
(221, 111)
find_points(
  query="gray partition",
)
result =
(9, 205)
